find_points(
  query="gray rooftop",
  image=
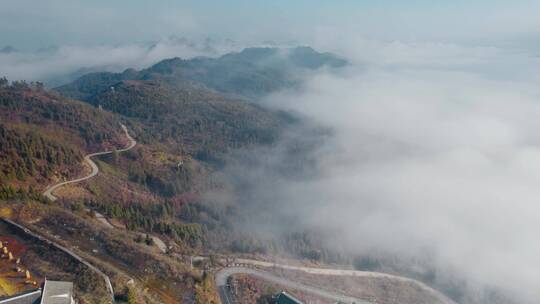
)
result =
(29, 297)
(57, 292)
(286, 298)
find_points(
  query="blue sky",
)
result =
(34, 24)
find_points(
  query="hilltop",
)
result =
(251, 73)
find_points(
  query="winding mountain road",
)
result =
(352, 273)
(239, 267)
(227, 298)
(95, 169)
(223, 275)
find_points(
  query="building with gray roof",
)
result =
(57, 292)
(286, 298)
(28, 297)
(53, 292)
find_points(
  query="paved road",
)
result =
(227, 298)
(95, 169)
(346, 272)
(221, 277)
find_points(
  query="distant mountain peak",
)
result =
(252, 72)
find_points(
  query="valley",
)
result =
(132, 183)
(269, 152)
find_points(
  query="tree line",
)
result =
(29, 154)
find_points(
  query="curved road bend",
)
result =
(95, 170)
(227, 298)
(345, 272)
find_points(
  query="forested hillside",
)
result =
(22, 103)
(30, 154)
(202, 123)
(187, 123)
(43, 136)
(188, 117)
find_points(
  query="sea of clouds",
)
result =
(435, 148)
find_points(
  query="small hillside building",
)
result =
(286, 298)
(57, 292)
(28, 297)
(53, 292)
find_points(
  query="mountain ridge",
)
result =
(251, 73)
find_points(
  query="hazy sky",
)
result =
(33, 24)
(434, 153)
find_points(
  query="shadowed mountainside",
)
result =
(251, 73)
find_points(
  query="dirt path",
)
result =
(157, 241)
(95, 169)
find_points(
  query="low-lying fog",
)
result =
(434, 157)
(58, 65)
(433, 152)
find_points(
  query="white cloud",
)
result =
(433, 150)
(61, 64)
